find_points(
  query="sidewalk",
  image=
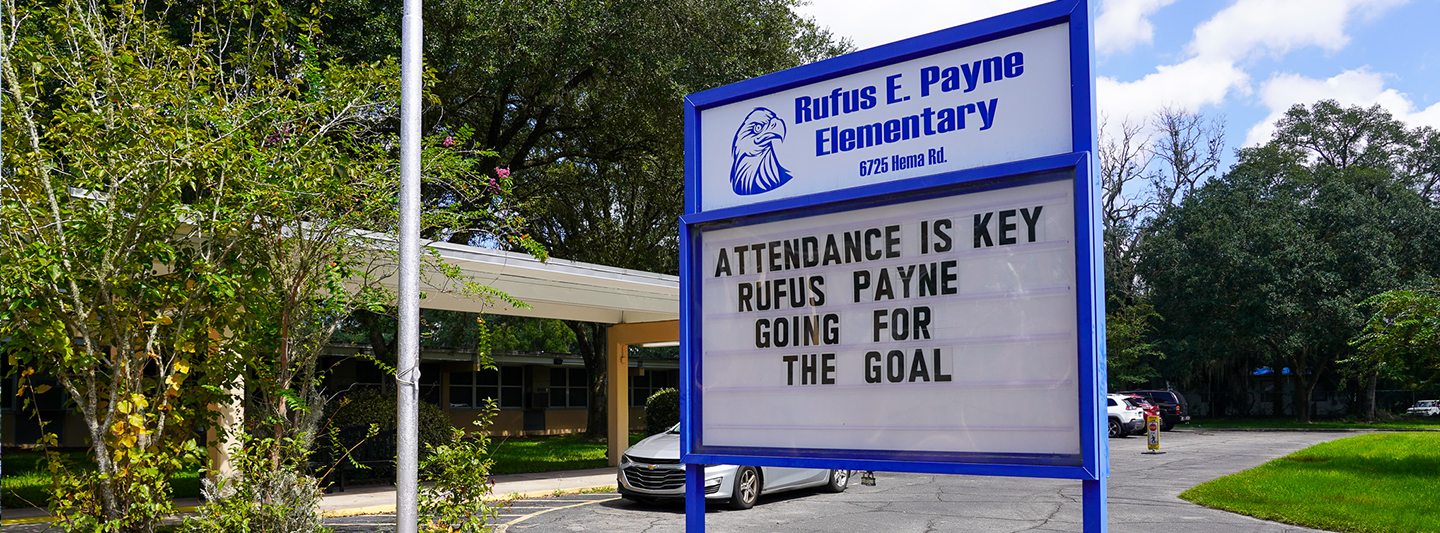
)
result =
(381, 498)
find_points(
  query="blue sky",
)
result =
(1245, 60)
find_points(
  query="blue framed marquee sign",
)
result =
(891, 260)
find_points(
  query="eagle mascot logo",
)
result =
(755, 169)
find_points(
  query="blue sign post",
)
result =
(880, 250)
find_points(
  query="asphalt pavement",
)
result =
(1143, 493)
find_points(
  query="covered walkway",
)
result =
(641, 307)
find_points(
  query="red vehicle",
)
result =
(1174, 409)
(1144, 404)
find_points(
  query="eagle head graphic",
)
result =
(755, 169)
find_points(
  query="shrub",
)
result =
(460, 470)
(368, 408)
(662, 410)
(261, 497)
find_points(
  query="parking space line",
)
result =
(505, 526)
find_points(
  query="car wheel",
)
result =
(1117, 431)
(839, 479)
(747, 488)
(1166, 424)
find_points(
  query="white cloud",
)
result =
(1187, 86)
(1125, 24)
(1352, 87)
(1274, 27)
(1221, 47)
(901, 19)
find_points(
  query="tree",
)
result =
(186, 207)
(1145, 170)
(104, 280)
(1170, 155)
(1129, 352)
(582, 101)
(1404, 334)
(1271, 259)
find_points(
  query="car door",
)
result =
(781, 478)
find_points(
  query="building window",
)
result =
(569, 387)
(430, 383)
(642, 386)
(506, 385)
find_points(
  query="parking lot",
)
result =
(1143, 489)
(1143, 498)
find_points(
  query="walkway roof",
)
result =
(557, 288)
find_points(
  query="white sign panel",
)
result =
(938, 325)
(994, 102)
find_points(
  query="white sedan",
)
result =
(651, 471)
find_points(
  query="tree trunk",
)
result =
(1277, 400)
(590, 337)
(384, 350)
(1304, 387)
(1302, 397)
(1370, 384)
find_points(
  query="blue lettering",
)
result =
(847, 140)
(890, 87)
(950, 79)
(928, 76)
(972, 76)
(802, 110)
(946, 120)
(851, 101)
(820, 142)
(911, 126)
(892, 131)
(988, 115)
(928, 115)
(960, 112)
(1014, 65)
(992, 70)
(871, 135)
(867, 97)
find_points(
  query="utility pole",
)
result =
(407, 371)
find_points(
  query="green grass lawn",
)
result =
(1290, 423)
(515, 455)
(26, 478)
(1368, 483)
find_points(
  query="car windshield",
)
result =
(674, 430)
(1426, 403)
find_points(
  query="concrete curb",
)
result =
(366, 510)
(388, 509)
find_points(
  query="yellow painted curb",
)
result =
(46, 519)
(357, 511)
(18, 521)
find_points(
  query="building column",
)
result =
(223, 434)
(618, 339)
(617, 392)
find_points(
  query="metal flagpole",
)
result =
(407, 371)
